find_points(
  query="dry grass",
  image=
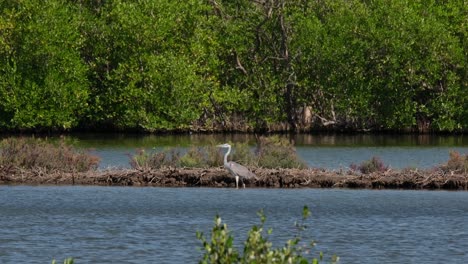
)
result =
(375, 164)
(38, 154)
(456, 163)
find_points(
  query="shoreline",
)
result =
(266, 178)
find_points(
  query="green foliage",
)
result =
(157, 65)
(145, 77)
(277, 152)
(257, 247)
(65, 261)
(374, 70)
(31, 153)
(43, 80)
(375, 164)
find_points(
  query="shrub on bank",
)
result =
(213, 156)
(157, 159)
(257, 247)
(194, 158)
(32, 153)
(375, 164)
(272, 152)
(276, 152)
(456, 163)
(242, 153)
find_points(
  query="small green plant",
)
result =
(257, 248)
(457, 162)
(277, 152)
(32, 153)
(375, 164)
(66, 261)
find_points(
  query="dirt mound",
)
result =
(266, 178)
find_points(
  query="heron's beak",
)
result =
(219, 146)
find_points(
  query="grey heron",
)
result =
(237, 170)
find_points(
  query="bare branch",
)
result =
(239, 64)
(325, 122)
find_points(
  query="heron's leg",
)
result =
(243, 184)
(237, 182)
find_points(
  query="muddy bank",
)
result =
(266, 178)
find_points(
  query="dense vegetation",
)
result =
(153, 65)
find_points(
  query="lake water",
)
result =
(323, 151)
(158, 225)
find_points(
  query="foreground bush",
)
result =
(31, 153)
(66, 261)
(257, 248)
(271, 152)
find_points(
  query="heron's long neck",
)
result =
(226, 155)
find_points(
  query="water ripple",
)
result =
(149, 225)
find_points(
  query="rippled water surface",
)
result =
(158, 225)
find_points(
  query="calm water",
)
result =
(324, 151)
(157, 225)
